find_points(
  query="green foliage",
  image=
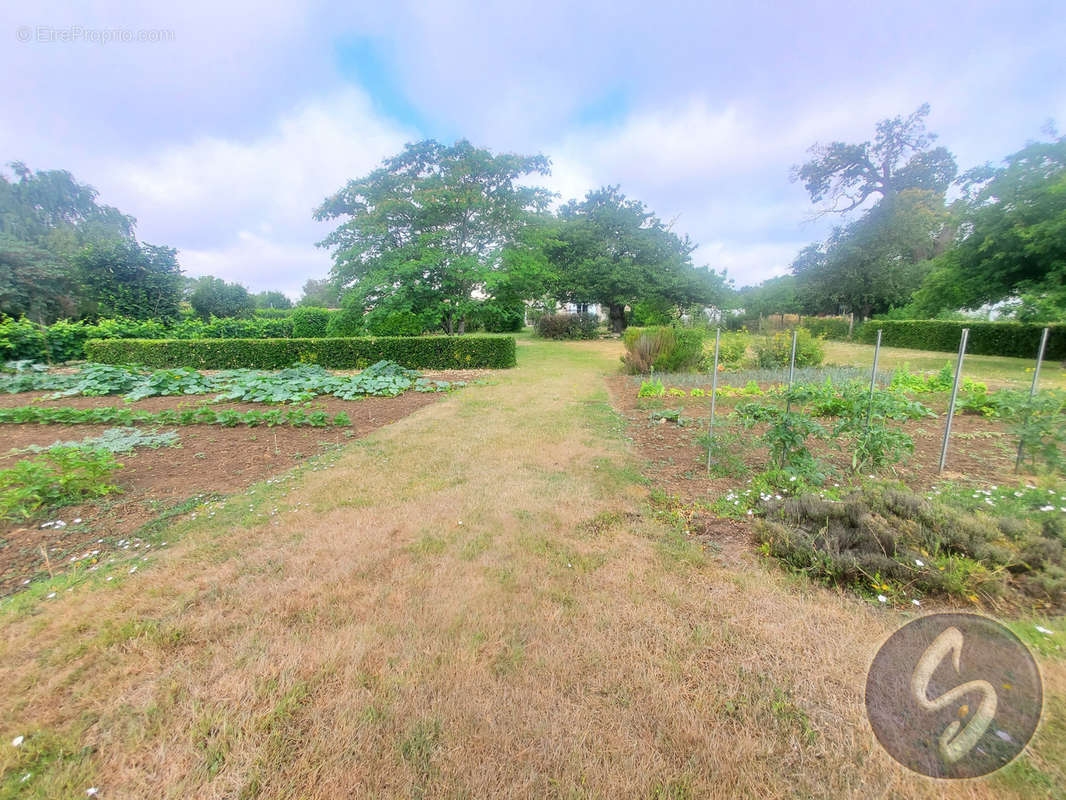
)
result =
(1039, 422)
(831, 328)
(1012, 241)
(432, 224)
(652, 388)
(421, 352)
(394, 323)
(320, 293)
(786, 435)
(59, 476)
(116, 440)
(200, 415)
(271, 301)
(214, 297)
(495, 316)
(776, 351)
(663, 349)
(931, 383)
(732, 350)
(121, 277)
(986, 338)
(309, 322)
(567, 326)
(652, 312)
(611, 250)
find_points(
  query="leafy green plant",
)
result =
(776, 351)
(651, 388)
(59, 476)
(116, 440)
(786, 435)
(203, 415)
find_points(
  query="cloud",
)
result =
(242, 209)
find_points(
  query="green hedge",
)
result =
(986, 338)
(414, 352)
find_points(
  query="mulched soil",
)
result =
(210, 460)
(981, 451)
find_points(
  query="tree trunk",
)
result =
(449, 327)
(462, 325)
(617, 315)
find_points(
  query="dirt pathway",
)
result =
(473, 602)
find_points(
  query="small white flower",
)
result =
(26, 777)
(882, 599)
(17, 741)
(751, 513)
(132, 570)
(792, 477)
(1017, 494)
(915, 603)
(919, 562)
(1004, 736)
(110, 577)
(91, 791)
(1043, 630)
(1047, 508)
(77, 520)
(49, 597)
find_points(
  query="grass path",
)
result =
(473, 602)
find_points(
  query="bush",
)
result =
(732, 348)
(986, 338)
(832, 328)
(651, 313)
(309, 322)
(414, 352)
(495, 317)
(567, 326)
(59, 476)
(665, 349)
(776, 351)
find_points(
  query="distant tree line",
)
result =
(912, 253)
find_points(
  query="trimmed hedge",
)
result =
(986, 338)
(413, 352)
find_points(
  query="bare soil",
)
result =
(981, 450)
(210, 460)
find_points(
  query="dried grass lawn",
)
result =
(473, 602)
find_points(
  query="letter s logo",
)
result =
(952, 746)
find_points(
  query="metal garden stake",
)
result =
(714, 392)
(788, 394)
(873, 380)
(954, 396)
(1032, 390)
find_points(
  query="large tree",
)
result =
(427, 231)
(876, 262)
(613, 251)
(842, 176)
(64, 254)
(214, 297)
(1011, 238)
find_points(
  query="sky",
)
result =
(221, 126)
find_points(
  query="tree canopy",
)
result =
(427, 230)
(844, 176)
(1011, 238)
(611, 250)
(64, 254)
(214, 297)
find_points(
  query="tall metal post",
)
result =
(714, 393)
(788, 393)
(873, 380)
(954, 396)
(1032, 389)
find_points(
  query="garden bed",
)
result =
(211, 460)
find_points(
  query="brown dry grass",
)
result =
(469, 603)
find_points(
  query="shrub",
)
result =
(776, 351)
(664, 349)
(732, 348)
(22, 339)
(496, 317)
(651, 313)
(414, 352)
(309, 322)
(567, 326)
(832, 328)
(986, 338)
